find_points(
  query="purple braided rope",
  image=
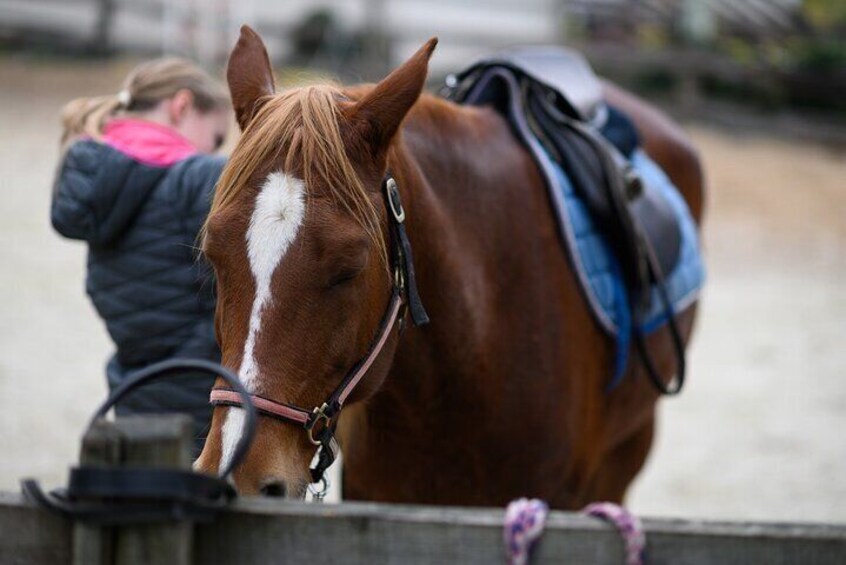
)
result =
(524, 523)
(626, 523)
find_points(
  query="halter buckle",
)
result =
(394, 202)
(316, 415)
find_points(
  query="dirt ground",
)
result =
(756, 435)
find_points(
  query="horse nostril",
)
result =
(275, 489)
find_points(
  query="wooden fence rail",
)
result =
(256, 530)
(268, 531)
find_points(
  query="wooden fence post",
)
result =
(162, 441)
(100, 448)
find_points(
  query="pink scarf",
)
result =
(147, 142)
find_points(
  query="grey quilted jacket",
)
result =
(144, 277)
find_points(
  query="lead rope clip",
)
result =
(319, 489)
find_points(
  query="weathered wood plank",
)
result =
(94, 545)
(269, 531)
(693, 543)
(257, 530)
(261, 531)
(31, 535)
(163, 442)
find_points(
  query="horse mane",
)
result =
(304, 122)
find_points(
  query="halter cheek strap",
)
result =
(402, 257)
(320, 422)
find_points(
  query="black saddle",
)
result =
(559, 69)
(554, 103)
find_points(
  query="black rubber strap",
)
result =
(118, 495)
(171, 368)
(137, 511)
(144, 483)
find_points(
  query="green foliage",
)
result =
(824, 55)
(825, 14)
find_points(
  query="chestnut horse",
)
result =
(503, 394)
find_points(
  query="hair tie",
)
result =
(124, 98)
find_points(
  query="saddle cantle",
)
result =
(554, 103)
(559, 69)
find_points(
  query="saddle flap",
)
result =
(659, 224)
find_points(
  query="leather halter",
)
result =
(320, 422)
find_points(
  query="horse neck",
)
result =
(428, 161)
(502, 300)
(448, 162)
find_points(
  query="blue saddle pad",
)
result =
(594, 259)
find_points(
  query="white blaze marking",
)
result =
(278, 213)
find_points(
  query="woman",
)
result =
(135, 183)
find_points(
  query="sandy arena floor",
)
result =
(755, 436)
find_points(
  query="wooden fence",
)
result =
(256, 530)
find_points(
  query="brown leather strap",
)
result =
(393, 312)
(226, 397)
(297, 415)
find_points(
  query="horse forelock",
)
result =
(302, 126)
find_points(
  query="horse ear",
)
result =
(381, 111)
(249, 75)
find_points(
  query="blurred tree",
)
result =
(826, 14)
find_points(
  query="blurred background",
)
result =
(759, 84)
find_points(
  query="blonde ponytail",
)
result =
(147, 85)
(87, 116)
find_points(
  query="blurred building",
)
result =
(332, 31)
(768, 53)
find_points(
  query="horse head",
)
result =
(297, 235)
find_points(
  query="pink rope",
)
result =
(626, 523)
(524, 523)
(525, 520)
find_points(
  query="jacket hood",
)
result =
(98, 190)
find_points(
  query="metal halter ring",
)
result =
(319, 492)
(317, 415)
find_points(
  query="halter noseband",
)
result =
(320, 422)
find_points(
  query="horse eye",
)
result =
(343, 276)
